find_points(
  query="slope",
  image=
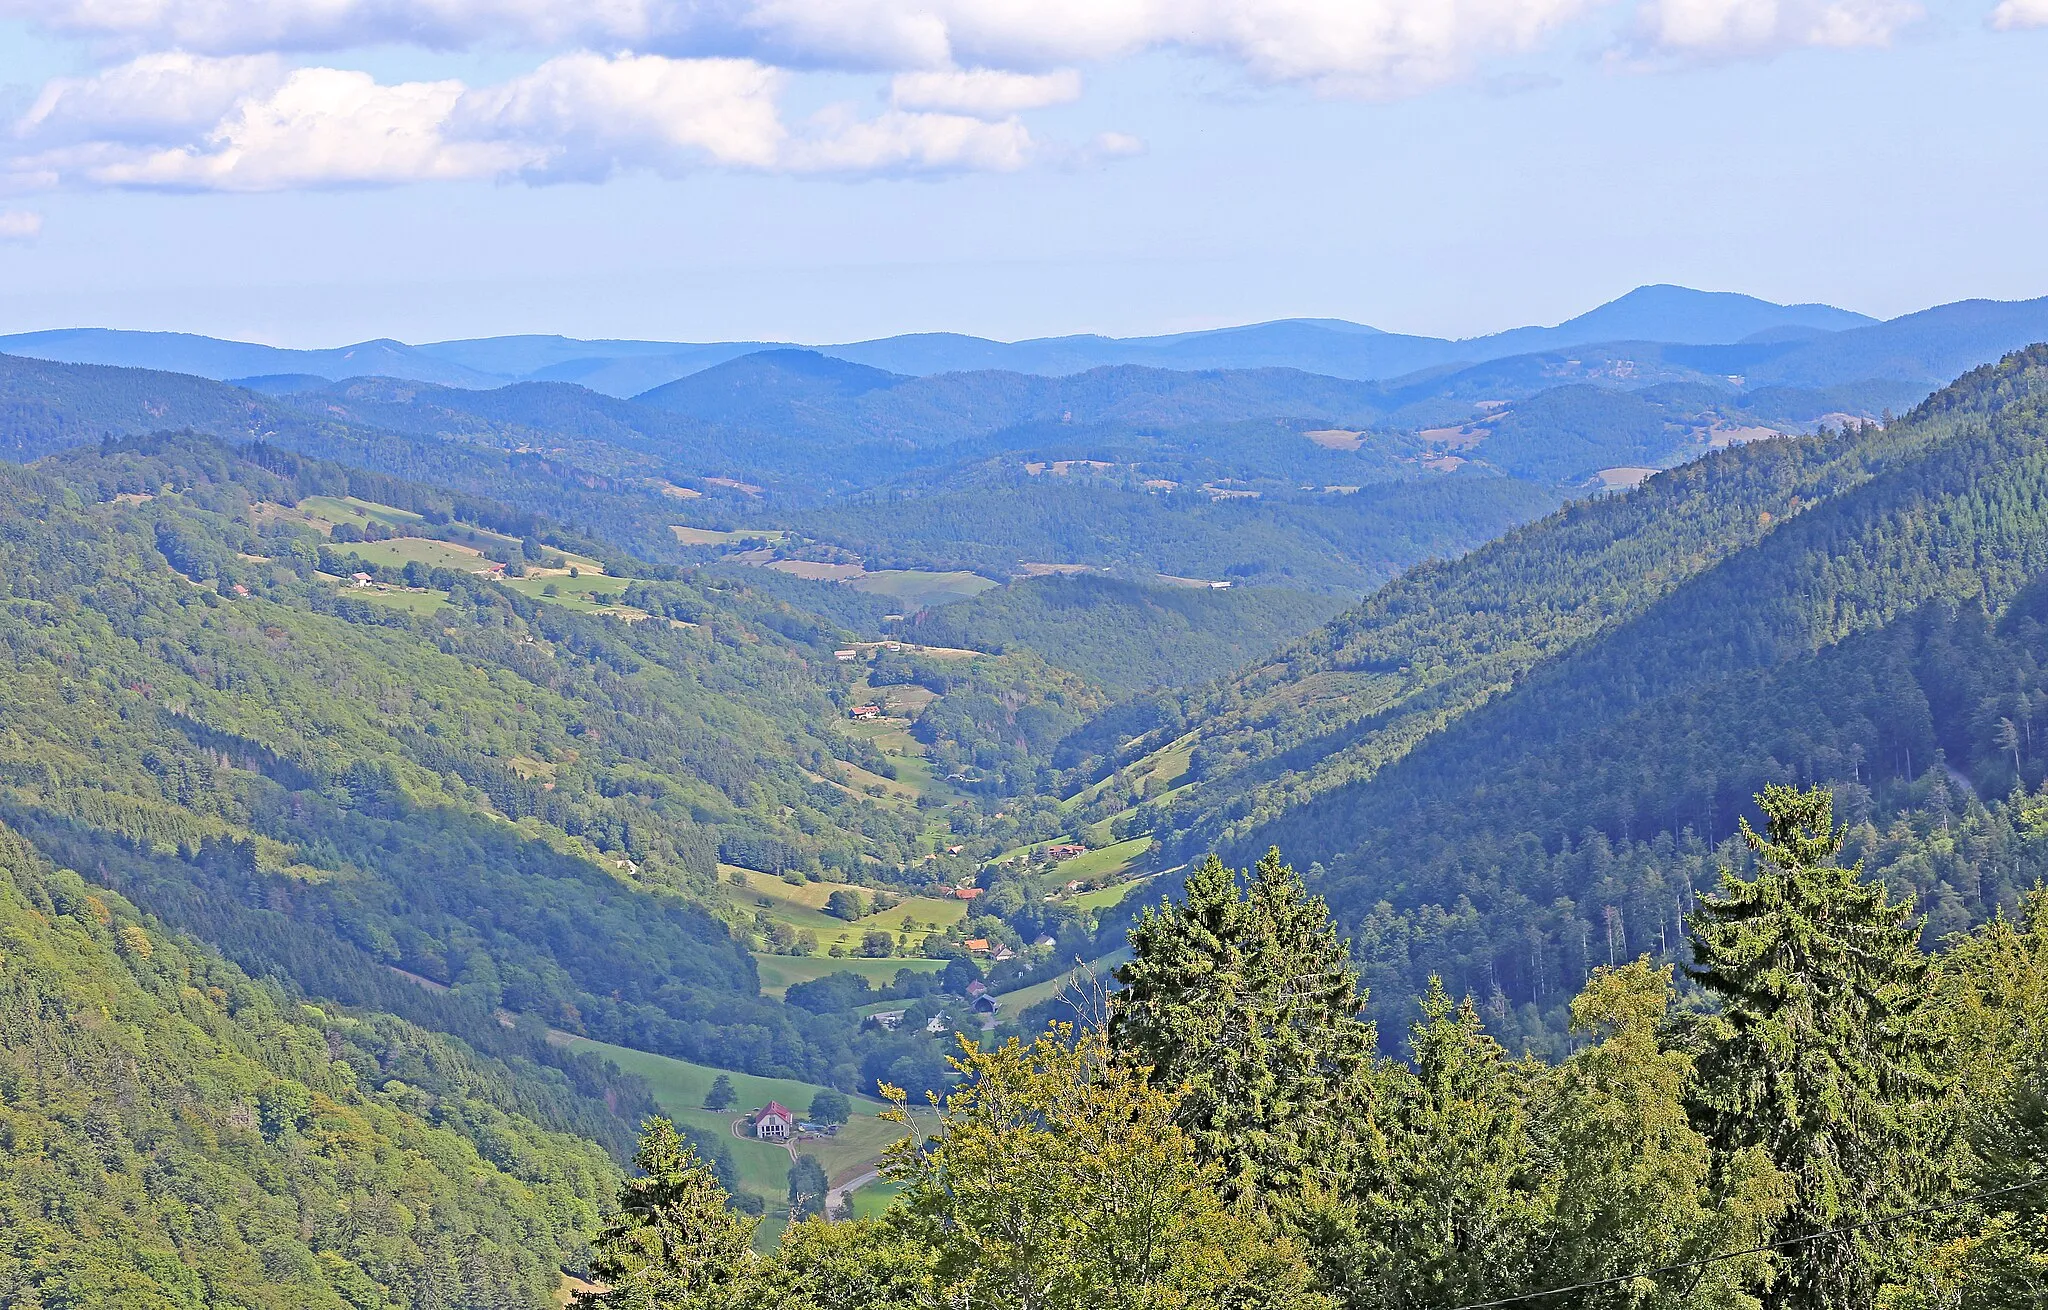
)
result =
(173, 1134)
(499, 794)
(1885, 608)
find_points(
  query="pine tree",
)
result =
(1821, 1046)
(673, 1245)
(721, 1095)
(1244, 1001)
(1447, 1203)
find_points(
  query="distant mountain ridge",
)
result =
(1670, 314)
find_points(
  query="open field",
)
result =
(716, 537)
(917, 588)
(1016, 1002)
(1104, 897)
(763, 1167)
(401, 551)
(327, 511)
(802, 906)
(817, 570)
(412, 602)
(590, 592)
(1168, 765)
(892, 737)
(870, 1201)
(1104, 860)
(778, 972)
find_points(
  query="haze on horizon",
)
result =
(305, 174)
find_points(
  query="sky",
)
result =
(315, 172)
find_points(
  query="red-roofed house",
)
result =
(966, 893)
(977, 945)
(773, 1123)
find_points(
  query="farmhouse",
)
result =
(773, 1123)
(888, 1019)
(845, 656)
(865, 712)
(1066, 851)
(977, 945)
(966, 893)
(360, 579)
(986, 1004)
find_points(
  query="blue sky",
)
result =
(309, 172)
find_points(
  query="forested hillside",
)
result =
(173, 1133)
(1471, 754)
(494, 790)
(1122, 634)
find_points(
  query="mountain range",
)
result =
(1666, 314)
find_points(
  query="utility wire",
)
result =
(1754, 1250)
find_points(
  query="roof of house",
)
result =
(776, 1109)
(967, 893)
(977, 944)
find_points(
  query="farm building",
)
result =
(845, 656)
(986, 1004)
(773, 1123)
(888, 1019)
(966, 893)
(1066, 851)
(865, 712)
(977, 945)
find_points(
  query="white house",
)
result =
(773, 1123)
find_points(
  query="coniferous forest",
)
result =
(428, 855)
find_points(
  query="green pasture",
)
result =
(779, 972)
(679, 1088)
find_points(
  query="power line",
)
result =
(1754, 1250)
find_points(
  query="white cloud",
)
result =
(1372, 47)
(1724, 29)
(579, 116)
(155, 98)
(2012, 15)
(900, 142)
(20, 225)
(596, 115)
(984, 92)
(323, 127)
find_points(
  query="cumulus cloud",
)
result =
(1372, 47)
(579, 116)
(896, 141)
(984, 92)
(1725, 29)
(158, 97)
(20, 225)
(596, 115)
(2012, 15)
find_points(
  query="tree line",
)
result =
(1813, 1114)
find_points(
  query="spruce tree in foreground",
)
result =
(1819, 1054)
(1244, 1002)
(674, 1245)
